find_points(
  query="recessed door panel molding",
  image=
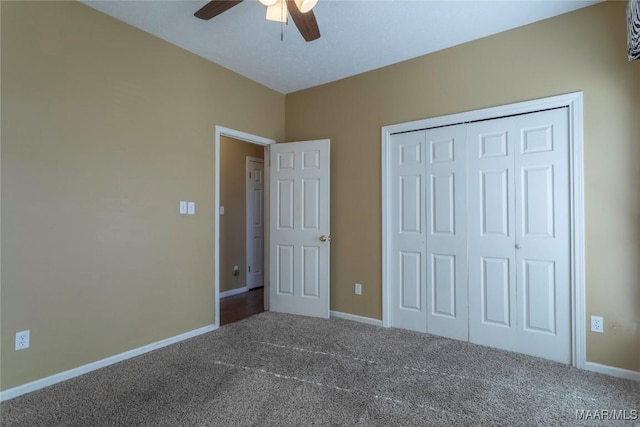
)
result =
(285, 213)
(285, 161)
(410, 278)
(258, 203)
(537, 139)
(537, 201)
(411, 152)
(494, 200)
(411, 204)
(443, 270)
(539, 297)
(443, 204)
(310, 207)
(310, 271)
(495, 295)
(442, 150)
(258, 250)
(493, 144)
(284, 269)
(311, 159)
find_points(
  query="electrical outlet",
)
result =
(358, 289)
(22, 340)
(597, 324)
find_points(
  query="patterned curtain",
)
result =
(633, 29)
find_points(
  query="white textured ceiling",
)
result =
(356, 35)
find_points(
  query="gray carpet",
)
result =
(282, 370)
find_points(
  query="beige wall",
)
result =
(233, 224)
(580, 51)
(105, 129)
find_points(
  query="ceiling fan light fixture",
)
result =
(305, 5)
(268, 2)
(277, 11)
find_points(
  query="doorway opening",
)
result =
(234, 225)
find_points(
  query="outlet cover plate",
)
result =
(358, 289)
(22, 340)
(597, 324)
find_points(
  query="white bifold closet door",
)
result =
(480, 238)
(518, 198)
(429, 260)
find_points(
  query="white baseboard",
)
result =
(80, 370)
(356, 318)
(613, 371)
(232, 292)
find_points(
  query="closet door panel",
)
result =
(491, 210)
(447, 232)
(408, 219)
(542, 234)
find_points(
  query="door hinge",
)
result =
(249, 269)
(249, 175)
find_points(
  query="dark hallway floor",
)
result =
(241, 306)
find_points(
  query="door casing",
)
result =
(574, 102)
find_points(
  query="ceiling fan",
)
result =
(300, 11)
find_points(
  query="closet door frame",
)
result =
(574, 102)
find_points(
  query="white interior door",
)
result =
(519, 284)
(255, 222)
(299, 228)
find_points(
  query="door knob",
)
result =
(324, 238)
(518, 246)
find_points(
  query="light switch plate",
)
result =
(358, 289)
(191, 208)
(221, 210)
(183, 207)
